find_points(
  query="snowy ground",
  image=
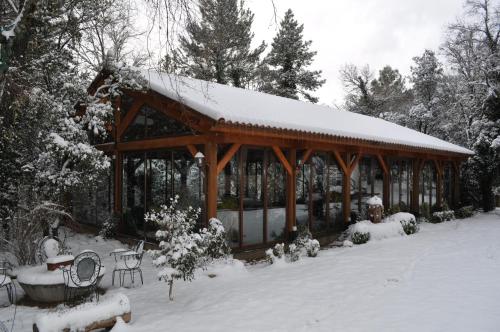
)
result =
(445, 278)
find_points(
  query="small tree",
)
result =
(182, 250)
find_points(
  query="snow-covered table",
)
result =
(45, 286)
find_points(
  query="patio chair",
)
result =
(128, 262)
(80, 279)
(48, 246)
(6, 281)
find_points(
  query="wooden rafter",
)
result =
(129, 117)
(439, 167)
(305, 157)
(341, 162)
(227, 157)
(355, 162)
(282, 159)
(382, 164)
(192, 149)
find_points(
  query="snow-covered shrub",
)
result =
(365, 230)
(406, 219)
(360, 238)
(181, 249)
(464, 212)
(108, 228)
(441, 216)
(214, 240)
(275, 254)
(425, 211)
(294, 252)
(312, 247)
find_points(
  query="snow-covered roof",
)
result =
(241, 106)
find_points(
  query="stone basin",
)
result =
(42, 285)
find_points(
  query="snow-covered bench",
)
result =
(85, 317)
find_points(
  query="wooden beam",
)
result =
(129, 117)
(341, 162)
(382, 164)
(283, 159)
(354, 163)
(192, 149)
(439, 166)
(227, 157)
(305, 157)
(211, 178)
(160, 143)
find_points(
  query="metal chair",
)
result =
(6, 281)
(128, 262)
(80, 279)
(46, 248)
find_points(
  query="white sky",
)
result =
(374, 32)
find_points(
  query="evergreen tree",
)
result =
(286, 72)
(218, 47)
(427, 77)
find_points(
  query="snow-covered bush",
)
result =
(365, 230)
(275, 254)
(312, 247)
(214, 240)
(441, 216)
(406, 219)
(464, 212)
(294, 252)
(360, 237)
(108, 227)
(182, 250)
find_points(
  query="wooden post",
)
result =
(439, 183)
(211, 178)
(346, 192)
(386, 180)
(291, 191)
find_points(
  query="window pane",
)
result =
(253, 207)
(276, 198)
(228, 203)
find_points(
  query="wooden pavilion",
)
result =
(265, 165)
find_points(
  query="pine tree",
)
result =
(218, 48)
(286, 72)
(427, 77)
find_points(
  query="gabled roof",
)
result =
(240, 106)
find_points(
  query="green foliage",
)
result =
(218, 47)
(425, 210)
(464, 212)
(109, 226)
(410, 226)
(441, 216)
(285, 72)
(360, 238)
(229, 203)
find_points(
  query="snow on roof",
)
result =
(236, 105)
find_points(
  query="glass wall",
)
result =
(251, 197)
(367, 180)
(427, 195)
(448, 184)
(400, 185)
(151, 178)
(319, 193)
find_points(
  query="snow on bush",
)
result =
(312, 247)
(441, 216)
(77, 318)
(360, 238)
(407, 220)
(464, 212)
(358, 231)
(182, 250)
(375, 201)
(303, 245)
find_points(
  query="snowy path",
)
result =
(445, 278)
